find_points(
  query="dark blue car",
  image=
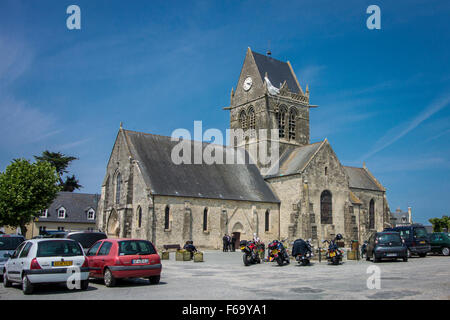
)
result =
(416, 239)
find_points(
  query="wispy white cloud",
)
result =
(408, 163)
(310, 75)
(72, 144)
(20, 123)
(334, 117)
(397, 132)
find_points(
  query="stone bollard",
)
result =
(198, 256)
(179, 255)
(351, 255)
(165, 255)
(186, 256)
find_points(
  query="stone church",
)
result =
(310, 194)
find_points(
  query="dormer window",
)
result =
(61, 213)
(44, 214)
(91, 214)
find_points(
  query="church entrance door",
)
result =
(237, 235)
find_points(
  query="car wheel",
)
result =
(445, 251)
(154, 279)
(375, 259)
(27, 287)
(422, 255)
(405, 259)
(109, 279)
(6, 282)
(84, 284)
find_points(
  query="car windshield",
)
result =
(10, 243)
(87, 239)
(132, 247)
(389, 238)
(420, 232)
(61, 248)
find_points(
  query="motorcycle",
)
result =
(278, 252)
(334, 254)
(250, 250)
(302, 251)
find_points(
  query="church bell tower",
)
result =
(268, 96)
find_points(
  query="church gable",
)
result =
(250, 84)
(325, 168)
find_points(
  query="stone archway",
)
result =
(237, 229)
(113, 226)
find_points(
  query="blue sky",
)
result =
(383, 95)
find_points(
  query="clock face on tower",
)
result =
(247, 83)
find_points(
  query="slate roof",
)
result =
(294, 160)
(359, 178)
(76, 205)
(277, 71)
(215, 181)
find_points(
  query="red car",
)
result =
(113, 259)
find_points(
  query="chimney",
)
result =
(409, 215)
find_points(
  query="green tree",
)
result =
(61, 162)
(71, 183)
(439, 224)
(25, 190)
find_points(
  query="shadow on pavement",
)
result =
(43, 289)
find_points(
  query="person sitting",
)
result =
(189, 246)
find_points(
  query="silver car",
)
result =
(39, 261)
(8, 243)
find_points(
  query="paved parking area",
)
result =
(223, 276)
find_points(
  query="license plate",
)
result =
(137, 261)
(332, 254)
(274, 251)
(391, 254)
(422, 242)
(62, 263)
(242, 248)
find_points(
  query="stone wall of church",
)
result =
(305, 190)
(223, 216)
(288, 191)
(121, 211)
(365, 196)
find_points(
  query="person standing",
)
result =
(229, 243)
(233, 243)
(225, 243)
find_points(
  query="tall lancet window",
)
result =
(243, 120)
(281, 117)
(292, 122)
(118, 187)
(326, 213)
(251, 118)
(372, 214)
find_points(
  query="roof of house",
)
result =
(76, 204)
(360, 178)
(277, 71)
(294, 160)
(212, 181)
